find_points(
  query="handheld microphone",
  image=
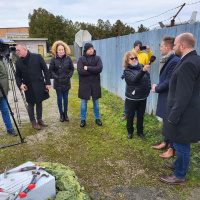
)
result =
(152, 59)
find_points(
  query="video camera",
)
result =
(6, 49)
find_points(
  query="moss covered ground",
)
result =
(101, 157)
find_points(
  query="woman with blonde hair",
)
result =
(61, 69)
(138, 83)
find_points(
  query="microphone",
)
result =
(152, 59)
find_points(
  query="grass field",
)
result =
(100, 156)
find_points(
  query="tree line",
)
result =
(43, 24)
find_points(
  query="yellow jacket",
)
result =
(143, 58)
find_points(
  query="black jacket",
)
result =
(29, 71)
(138, 82)
(183, 102)
(89, 80)
(61, 70)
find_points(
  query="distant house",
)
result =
(35, 45)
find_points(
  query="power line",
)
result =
(171, 17)
(162, 21)
(188, 4)
(164, 13)
(156, 15)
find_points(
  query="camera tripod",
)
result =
(11, 113)
(12, 71)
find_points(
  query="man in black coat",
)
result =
(167, 64)
(181, 120)
(32, 76)
(89, 67)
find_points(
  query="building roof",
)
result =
(26, 39)
(7, 40)
(17, 34)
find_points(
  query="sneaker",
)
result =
(12, 132)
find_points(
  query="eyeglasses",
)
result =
(133, 58)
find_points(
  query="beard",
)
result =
(178, 53)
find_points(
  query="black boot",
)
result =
(82, 124)
(98, 122)
(62, 119)
(141, 135)
(130, 135)
(66, 117)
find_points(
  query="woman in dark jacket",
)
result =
(61, 69)
(138, 87)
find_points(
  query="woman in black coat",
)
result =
(61, 69)
(138, 87)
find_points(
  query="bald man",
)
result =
(181, 120)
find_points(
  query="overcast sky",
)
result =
(15, 13)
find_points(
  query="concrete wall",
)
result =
(112, 51)
(72, 50)
(33, 45)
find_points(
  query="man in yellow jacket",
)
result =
(143, 58)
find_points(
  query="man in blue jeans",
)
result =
(181, 119)
(3, 104)
(89, 67)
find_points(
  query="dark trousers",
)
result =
(133, 106)
(38, 111)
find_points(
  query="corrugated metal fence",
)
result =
(112, 51)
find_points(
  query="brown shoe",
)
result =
(124, 117)
(173, 180)
(169, 153)
(170, 166)
(163, 145)
(42, 123)
(36, 126)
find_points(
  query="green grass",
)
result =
(101, 157)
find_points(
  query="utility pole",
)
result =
(121, 29)
(173, 20)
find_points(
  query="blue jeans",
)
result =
(183, 160)
(62, 96)
(169, 142)
(95, 108)
(5, 114)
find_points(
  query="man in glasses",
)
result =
(167, 64)
(32, 76)
(143, 58)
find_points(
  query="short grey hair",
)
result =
(23, 46)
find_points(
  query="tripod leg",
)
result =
(14, 94)
(4, 96)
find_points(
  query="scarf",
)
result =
(164, 59)
(60, 55)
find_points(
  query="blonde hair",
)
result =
(126, 57)
(58, 43)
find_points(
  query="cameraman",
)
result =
(3, 104)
